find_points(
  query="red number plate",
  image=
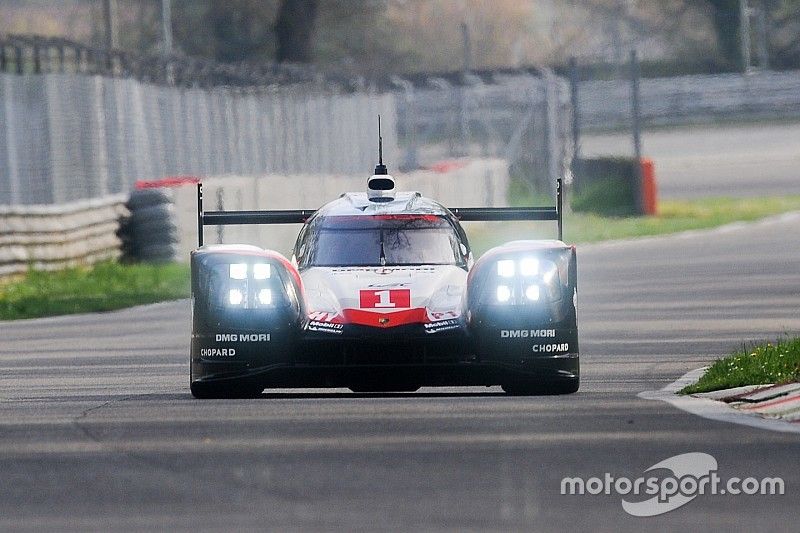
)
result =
(385, 299)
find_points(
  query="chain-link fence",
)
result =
(77, 122)
(71, 136)
(522, 116)
(606, 105)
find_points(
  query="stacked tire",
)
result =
(149, 233)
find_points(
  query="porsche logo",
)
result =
(383, 321)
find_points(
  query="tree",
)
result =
(241, 29)
(726, 20)
(294, 30)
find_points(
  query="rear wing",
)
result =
(299, 216)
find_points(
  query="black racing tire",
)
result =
(153, 225)
(163, 214)
(159, 253)
(378, 386)
(142, 198)
(208, 391)
(525, 387)
(155, 235)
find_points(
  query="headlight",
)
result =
(265, 297)
(238, 271)
(235, 297)
(505, 268)
(503, 293)
(532, 293)
(525, 281)
(529, 266)
(262, 271)
(245, 285)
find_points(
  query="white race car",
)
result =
(382, 294)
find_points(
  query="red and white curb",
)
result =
(771, 401)
(713, 406)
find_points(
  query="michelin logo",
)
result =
(243, 337)
(526, 333)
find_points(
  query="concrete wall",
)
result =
(465, 183)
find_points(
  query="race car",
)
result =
(382, 294)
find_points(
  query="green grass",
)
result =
(759, 365)
(104, 287)
(674, 216)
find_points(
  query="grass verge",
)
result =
(104, 287)
(759, 365)
(674, 216)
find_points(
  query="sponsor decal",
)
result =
(526, 333)
(550, 348)
(441, 315)
(385, 299)
(442, 325)
(243, 337)
(217, 352)
(325, 327)
(323, 316)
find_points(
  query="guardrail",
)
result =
(51, 237)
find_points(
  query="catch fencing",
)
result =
(522, 116)
(51, 237)
(71, 136)
(681, 100)
(78, 122)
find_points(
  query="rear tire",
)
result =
(383, 386)
(524, 387)
(208, 391)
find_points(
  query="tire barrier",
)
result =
(52, 237)
(150, 232)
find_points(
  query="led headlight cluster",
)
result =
(249, 285)
(524, 281)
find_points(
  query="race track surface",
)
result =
(735, 160)
(98, 430)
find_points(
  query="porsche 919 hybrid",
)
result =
(382, 293)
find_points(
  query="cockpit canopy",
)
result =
(381, 240)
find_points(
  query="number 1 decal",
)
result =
(385, 299)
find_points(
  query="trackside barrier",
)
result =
(649, 188)
(52, 237)
(150, 233)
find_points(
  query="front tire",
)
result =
(527, 387)
(207, 391)
(383, 386)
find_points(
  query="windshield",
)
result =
(384, 241)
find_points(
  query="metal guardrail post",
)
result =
(636, 132)
(19, 59)
(37, 61)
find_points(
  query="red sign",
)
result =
(385, 299)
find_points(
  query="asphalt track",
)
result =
(732, 160)
(98, 430)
